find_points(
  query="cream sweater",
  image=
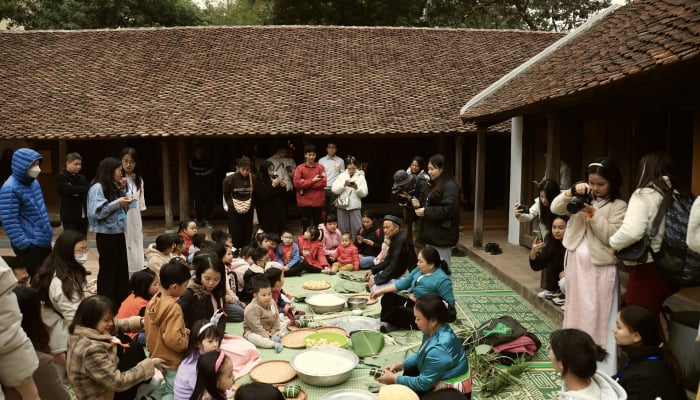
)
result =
(694, 227)
(641, 211)
(600, 227)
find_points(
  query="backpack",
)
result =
(674, 260)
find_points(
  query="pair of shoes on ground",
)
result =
(493, 248)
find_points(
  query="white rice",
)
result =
(319, 363)
(326, 299)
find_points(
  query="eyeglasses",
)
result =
(128, 162)
(82, 250)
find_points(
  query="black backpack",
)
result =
(674, 260)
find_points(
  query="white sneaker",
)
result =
(543, 294)
(560, 301)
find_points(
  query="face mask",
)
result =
(81, 258)
(34, 171)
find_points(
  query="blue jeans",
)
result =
(366, 262)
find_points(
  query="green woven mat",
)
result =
(480, 296)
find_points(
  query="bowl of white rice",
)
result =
(324, 366)
(326, 302)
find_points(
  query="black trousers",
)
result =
(80, 225)
(398, 311)
(310, 216)
(32, 257)
(240, 226)
(203, 204)
(329, 207)
(113, 276)
(300, 267)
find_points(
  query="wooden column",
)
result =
(183, 178)
(553, 153)
(479, 191)
(459, 141)
(62, 151)
(167, 186)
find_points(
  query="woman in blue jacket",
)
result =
(430, 276)
(107, 206)
(441, 362)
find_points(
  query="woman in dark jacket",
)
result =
(207, 288)
(270, 202)
(549, 256)
(439, 209)
(239, 186)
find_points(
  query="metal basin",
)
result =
(326, 366)
(357, 302)
(326, 302)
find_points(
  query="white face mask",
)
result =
(81, 258)
(34, 171)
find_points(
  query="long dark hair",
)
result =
(137, 172)
(263, 174)
(652, 168)
(105, 177)
(207, 374)
(576, 351)
(437, 187)
(32, 323)
(205, 260)
(91, 311)
(431, 256)
(550, 187)
(62, 262)
(607, 168)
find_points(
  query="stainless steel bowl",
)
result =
(357, 302)
(320, 305)
(325, 378)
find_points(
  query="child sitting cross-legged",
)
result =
(261, 320)
(311, 253)
(166, 334)
(287, 251)
(205, 337)
(284, 304)
(346, 256)
(92, 352)
(159, 253)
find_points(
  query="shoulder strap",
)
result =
(663, 207)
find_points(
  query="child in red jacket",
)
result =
(311, 253)
(347, 257)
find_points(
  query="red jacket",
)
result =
(312, 251)
(188, 243)
(310, 194)
(348, 255)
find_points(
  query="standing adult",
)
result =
(23, 210)
(238, 193)
(107, 207)
(310, 182)
(439, 209)
(202, 187)
(134, 226)
(407, 187)
(350, 185)
(270, 199)
(284, 168)
(592, 282)
(399, 257)
(334, 166)
(646, 287)
(72, 188)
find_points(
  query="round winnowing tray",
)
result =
(366, 296)
(273, 372)
(316, 285)
(295, 339)
(334, 329)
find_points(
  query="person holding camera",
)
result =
(270, 199)
(592, 287)
(350, 188)
(407, 187)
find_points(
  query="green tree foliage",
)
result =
(89, 14)
(237, 12)
(348, 12)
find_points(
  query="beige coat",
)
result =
(600, 227)
(643, 207)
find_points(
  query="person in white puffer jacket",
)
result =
(350, 185)
(693, 238)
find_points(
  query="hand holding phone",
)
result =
(538, 236)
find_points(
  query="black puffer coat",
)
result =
(441, 219)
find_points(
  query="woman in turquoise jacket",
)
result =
(441, 362)
(432, 275)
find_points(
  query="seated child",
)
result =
(269, 243)
(233, 307)
(280, 298)
(311, 254)
(197, 240)
(261, 321)
(346, 256)
(159, 253)
(180, 249)
(287, 251)
(260, 258)
(223, 238)
(214, 377)
(167, 336)
(330, 236)
(205, 337)
(144, 285)
(92, 352)
(238, 267)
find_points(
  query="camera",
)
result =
(524, 209)
(275, 176)
(578, 202)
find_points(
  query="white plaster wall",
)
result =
(516, 166)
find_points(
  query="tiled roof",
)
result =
(642, 37)
(249, 80)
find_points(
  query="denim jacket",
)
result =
(104, 216)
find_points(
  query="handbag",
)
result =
(243, 206)
(342, 201)
(637, 251)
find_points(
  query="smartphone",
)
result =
(524, 208)
(538, 236)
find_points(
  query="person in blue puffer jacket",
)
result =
(23, 210)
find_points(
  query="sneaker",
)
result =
(563, 308)
(545, 294)
(278, 347)
(560, 301)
